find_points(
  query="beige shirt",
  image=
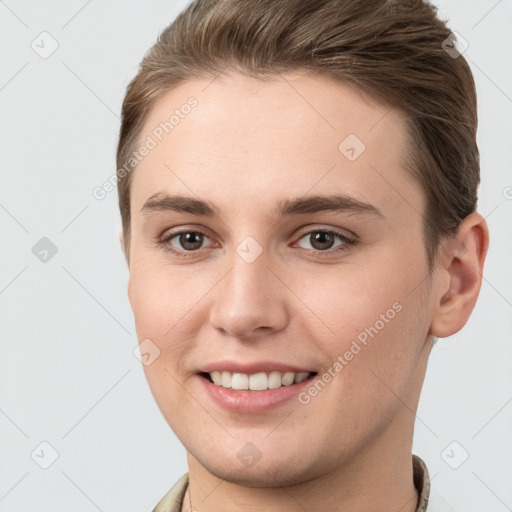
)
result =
(173, 500)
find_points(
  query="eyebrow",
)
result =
(300, 206)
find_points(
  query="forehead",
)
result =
(247, 138)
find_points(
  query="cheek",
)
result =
(170, 306)
(155, 296)
(370, 319)
(158, 308)
(349, 300)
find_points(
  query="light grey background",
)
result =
(68, 374)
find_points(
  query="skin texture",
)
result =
(248, 145)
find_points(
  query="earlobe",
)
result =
(461, 262)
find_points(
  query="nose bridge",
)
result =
(249, 275)
(247, 297)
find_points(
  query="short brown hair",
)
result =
(393, 50)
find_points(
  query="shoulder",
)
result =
(422, 483)
(429, 500)
(173, 500)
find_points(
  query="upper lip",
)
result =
(250, 368)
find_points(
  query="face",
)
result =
(257, 268)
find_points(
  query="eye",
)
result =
(322, 240)
(188, 241)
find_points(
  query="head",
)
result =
(325, 156)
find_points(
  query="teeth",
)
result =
(257, 381)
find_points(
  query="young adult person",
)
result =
(298, 184)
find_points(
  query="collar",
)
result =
(421, 482)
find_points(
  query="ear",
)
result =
(460, 268)
(121, 239)
(121, 243)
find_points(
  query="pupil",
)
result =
(321, 238)
(188, 238)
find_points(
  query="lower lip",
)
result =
(245, 400)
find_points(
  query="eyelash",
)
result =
(348, 242)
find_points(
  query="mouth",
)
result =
(257, 393)
(261, 381)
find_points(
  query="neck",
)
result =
(380, 478)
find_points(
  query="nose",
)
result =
(250, 300)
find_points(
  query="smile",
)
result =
(240, 397)
(257, 381)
